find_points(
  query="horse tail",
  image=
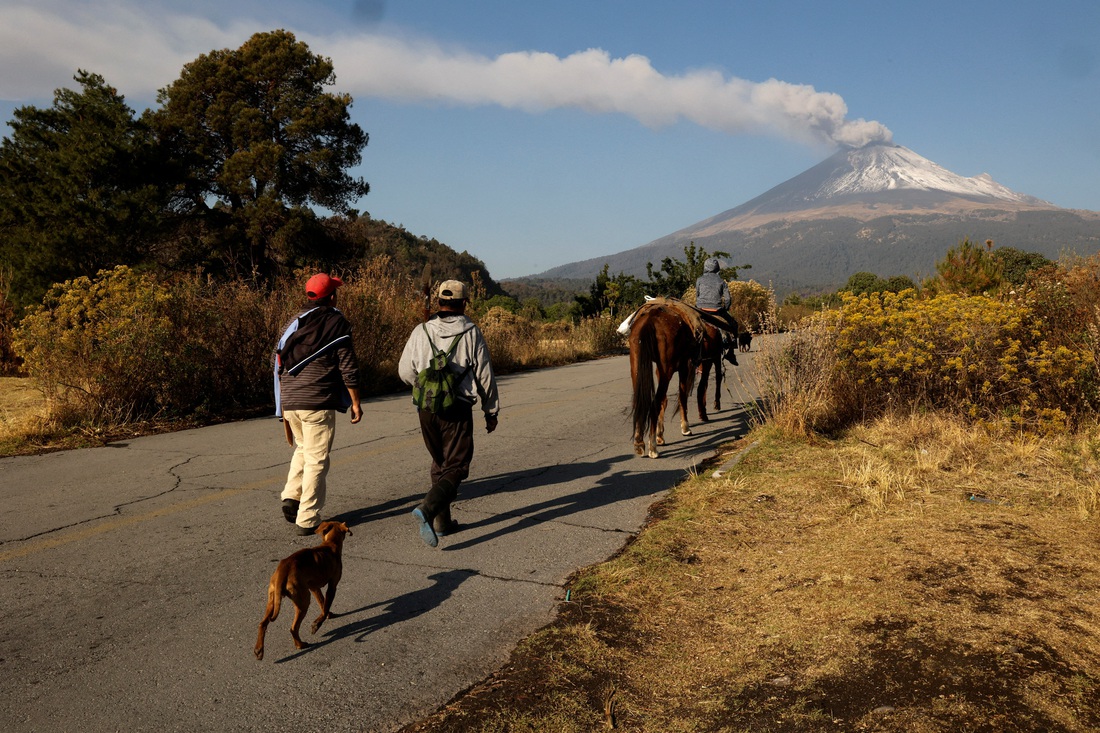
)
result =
(644, 389)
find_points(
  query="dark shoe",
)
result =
(444, 526)
(426, 532)
(290, 510)
(305, 531)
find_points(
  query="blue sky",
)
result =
(536, 134)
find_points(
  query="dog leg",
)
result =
(323, 603)
(301, 605)
(326, 605)
(259, 650)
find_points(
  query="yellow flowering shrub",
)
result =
(100, 342)
(987, 359)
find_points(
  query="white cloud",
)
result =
(140, 50)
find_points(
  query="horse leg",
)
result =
(701, 395)
(682, 396)
(718, 369)
(657, 426)
(659, 420)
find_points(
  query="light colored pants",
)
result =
(313, 432)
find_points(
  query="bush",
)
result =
(383, 311)
(124, 346)
(986, 360)
(102, 346)
(751, 303)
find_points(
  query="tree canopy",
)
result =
(78, 189)
(232, 174)
(254, 141)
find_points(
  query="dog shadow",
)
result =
(402, 608)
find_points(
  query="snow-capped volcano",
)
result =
(877, 168)
(868, 182)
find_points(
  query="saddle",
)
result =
(692, 316)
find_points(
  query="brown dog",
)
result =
(304, 572)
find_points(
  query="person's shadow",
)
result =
(401, 608)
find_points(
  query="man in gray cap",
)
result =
(450, 339)
(712, 295)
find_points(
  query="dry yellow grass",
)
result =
(22, 411)
(912, 575)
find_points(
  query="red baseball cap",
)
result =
(322, 286)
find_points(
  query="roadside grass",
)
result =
(22, 413)
(910, 574)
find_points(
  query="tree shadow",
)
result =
(402, 608)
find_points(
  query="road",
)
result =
(133, 576)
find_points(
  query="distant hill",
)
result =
(368, 237)
(881, 208)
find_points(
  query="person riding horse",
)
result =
(712, 296)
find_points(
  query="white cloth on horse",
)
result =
(624, 327)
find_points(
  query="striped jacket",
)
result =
(315, 363)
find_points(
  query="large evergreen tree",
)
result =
(76, 189)
(256, 142)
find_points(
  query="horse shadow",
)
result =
(622, 478)
(397, 610)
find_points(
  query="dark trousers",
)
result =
(449, 438)
(721, 318)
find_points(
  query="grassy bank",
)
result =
(908, 575)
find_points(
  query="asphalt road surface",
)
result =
(133, 576)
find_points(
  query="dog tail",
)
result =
(276, 589)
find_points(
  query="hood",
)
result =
(448, 324)
(711, 265)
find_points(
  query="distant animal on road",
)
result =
(662, 339)
(305, 572)
(744, 341)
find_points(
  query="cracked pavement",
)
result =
(136, 574)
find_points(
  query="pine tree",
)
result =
(77, 189)
(257, 142)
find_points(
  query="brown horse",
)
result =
(662, 338)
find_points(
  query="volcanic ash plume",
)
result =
(593, 81)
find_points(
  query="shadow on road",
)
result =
(402, 608)
(636, 477)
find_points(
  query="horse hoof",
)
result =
(639, 451)
(660, 441)
(685, 432)
(653, 454)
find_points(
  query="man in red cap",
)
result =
(316, 375)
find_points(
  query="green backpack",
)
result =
(437, 385)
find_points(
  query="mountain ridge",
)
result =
(881, 208)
